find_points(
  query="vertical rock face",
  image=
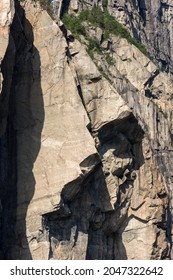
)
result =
(47, 106)
(85, 169)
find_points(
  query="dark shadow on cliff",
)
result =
(65, 7)
(142, 10)
(7, 153)
(79, 215)
(23, 137)
(86, 212)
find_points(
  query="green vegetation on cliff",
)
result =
(104, 4)
(102, 19)
(98, 18)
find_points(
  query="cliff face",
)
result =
(149, 21)
(86, 151)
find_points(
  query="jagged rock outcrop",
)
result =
(132, 161)
(85, 154)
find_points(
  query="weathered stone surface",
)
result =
(89, 158)
(49, 141)
(151, 22)
(125, 165)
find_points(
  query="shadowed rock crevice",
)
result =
(8, 192)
